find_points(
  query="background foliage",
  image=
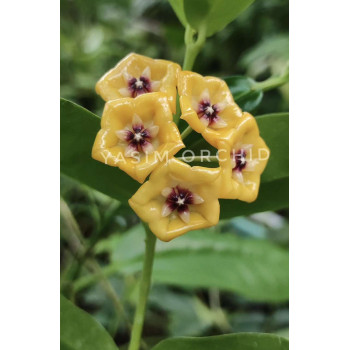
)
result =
(228, 279)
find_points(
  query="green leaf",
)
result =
(274, 129)
(242, 89)
(272, 196)
(196, 12)
(214, 15)
(255, 269)
(178, 7)
(78, 131)
(79, 331)
(223, 12)
(238, 341)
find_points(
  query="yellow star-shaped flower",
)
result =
(137, 134)
(178, 198)
(242, 159)
(208, 106)
(136, 75)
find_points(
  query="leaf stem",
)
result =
(186, 132)
(272, 82)
(193, 47)
(144, 290)
(200, 159)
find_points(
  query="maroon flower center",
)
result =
(138, 137)
(208, 111)
(139, 86)
(179, 199)
(240, 160)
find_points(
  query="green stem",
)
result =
(272, 82)
(144, 290)
(200, 159)
(186, 132)
(193, 47)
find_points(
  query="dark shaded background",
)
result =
(95, 35)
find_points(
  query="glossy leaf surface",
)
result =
(79, 331)
(78, 131)
(214, 15)
(255, 269)
(239, 341)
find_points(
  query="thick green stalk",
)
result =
(200, 159)
(193, 47)
(144, 290)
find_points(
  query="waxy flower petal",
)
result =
(178, 198)
(208, 107)
(136, 75)
(242, 159)
(137, 134)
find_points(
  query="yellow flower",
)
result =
(242, 160)
(137, 134)
(208, 106)
(178, 198)
(136, 75)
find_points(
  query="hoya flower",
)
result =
(242, 160)
(137, 134)
(178, 198)
(136, 75)
(208, 106)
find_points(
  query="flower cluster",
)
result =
(139, 136)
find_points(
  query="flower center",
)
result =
(178, 198)
(208, 111)
(138, 138)
(240, 160)
(139, 86)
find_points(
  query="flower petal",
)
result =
(197, 199)
(195, 103)
(246, 146)
(166, 191)
(127, 77)
(153, 130)
(146, 73)
(130, 150)
(204, 120)
(137, 121)
(218, 123)
(166, 210)
(125, 135)
(184, 215)
(238, 176)
(155, 85)
(205, 95)
(125, 92)
(233, 162)
(250, 166)
(147, 147)
(221, 106)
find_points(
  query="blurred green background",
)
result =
(101, 240)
